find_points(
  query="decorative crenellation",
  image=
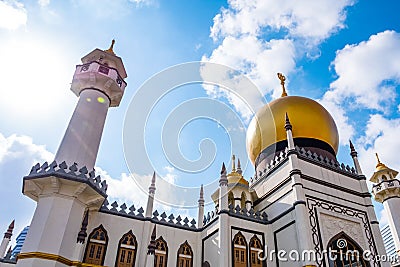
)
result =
(210, 217)
(131, 212)
(173, 220)
(325, 161)
(271, 166)
(64, 171)
(386, 189)
(248, 214)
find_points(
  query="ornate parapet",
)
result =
(54, 178)
(386, 189)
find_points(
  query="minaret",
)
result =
(99, 84)
(6, 239)
(223, 232)
(201, 208)
(150, 199)
(353, 154)
(387, 191)
(65, 189)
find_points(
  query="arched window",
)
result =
(185, 255)
(344, 252)
(231, 200)
(239, 251)
(384, 178)
(255, 252)
(126, 251)
(243, 199)
(161, 253)
(96, 247)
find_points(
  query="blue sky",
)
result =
(345, 54)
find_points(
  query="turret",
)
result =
(150, 198)
(201, 208)
(386, 190)
(6, 239)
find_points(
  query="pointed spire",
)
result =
(288, 126)
(201, 193)
(111, 49)
(239, 168)
(283, 79)
(353, 152)
(10, 229)
(82, 233)
(152, 188)
(233, 163)
(152, 246)
(223, 170)
(223, 180)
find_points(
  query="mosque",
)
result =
(301, 208)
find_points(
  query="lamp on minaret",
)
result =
(99, 84)
(150, 199)
(6, 239)
(353, 154)
(201, 208)
(386, 190)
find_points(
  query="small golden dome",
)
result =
(308, 118)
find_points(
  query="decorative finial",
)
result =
(377, 158)
(152, 246)
(201, 191)
(283, 79)
(111, 49)
(233, 163)
(82, 233)
(239, 167)
(288, 126)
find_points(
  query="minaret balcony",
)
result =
(386, 189)
(100, 77)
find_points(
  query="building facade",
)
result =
(301, 208)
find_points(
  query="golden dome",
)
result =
(308, 118)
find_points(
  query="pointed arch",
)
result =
(239, 248)
(256, 250)
(231, 199)
(126, 253)
(185, 255)
(345, 252)
(161, 253)
(243, 199)
(96, 247)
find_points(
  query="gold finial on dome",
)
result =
(110, 50)
(380, 165)
(283, 79)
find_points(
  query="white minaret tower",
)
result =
(99, 83)
(387, 191)
(65, 189)
(200, 213)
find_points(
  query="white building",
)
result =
(388, 240)
(300, 200)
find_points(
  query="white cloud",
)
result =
(381, 136)
(17, 155)
(242, 28)
(12, 15)
(298, 18)
(368, 72)
(43, 3)
(383, 218)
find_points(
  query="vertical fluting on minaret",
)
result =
(99, 83)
